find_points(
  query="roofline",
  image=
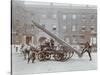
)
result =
(53, 4)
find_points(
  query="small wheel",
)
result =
(69, 55)
(41, 56)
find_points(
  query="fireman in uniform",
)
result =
(87, 48)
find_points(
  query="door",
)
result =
(28, 39)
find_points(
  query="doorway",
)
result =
(28, 39)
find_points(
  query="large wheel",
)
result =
(58, 56)
(47, 56)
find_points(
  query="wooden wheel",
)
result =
(47, 56)
(58, 56)
(69, 54)
(41, 56)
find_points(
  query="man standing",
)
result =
(87, 49)
(52, 43)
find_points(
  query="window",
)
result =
(73, 16)
(32, 29)
(83, 17)
(82, 36)
(64, 17)
(67, 40)
(83, 28)
(92, 28)
(54, 28)
(64, 27)
(74, 40)
(73, 28)
(92, 17)
(44, 16)
(93, 41)
(43, 25)
(54, 16)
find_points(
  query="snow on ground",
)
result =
(20, 66)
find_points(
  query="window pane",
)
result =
(67, 40)
(64, 27)
(94, 40)
(74, 41)
(44, 16)
(73, 16)
(64, 17)
(54, 27)
(54, 15)
(73, 28)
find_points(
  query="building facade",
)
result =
(75, 24)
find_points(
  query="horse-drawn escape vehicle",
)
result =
(48, 50)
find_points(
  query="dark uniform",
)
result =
(52, 43)
(87, 49)
(16, 49)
